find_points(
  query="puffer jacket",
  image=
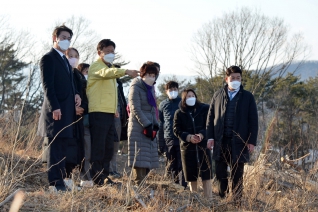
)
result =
(142, 114)
(167, 109)
(102, 87)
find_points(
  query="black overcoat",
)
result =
(59, 93)
(182, 127)
(245, 125)
(75, 151)
(123, 112)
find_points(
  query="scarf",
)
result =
(150, 97)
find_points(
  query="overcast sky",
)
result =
(156, 30)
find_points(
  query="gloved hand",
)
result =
(148, 131)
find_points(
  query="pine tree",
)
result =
(11, 78)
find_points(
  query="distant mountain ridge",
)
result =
(305, 70)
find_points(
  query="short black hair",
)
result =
(57, 31)
(171, 84)
(233, 69)
(105, 43)
(82, 66)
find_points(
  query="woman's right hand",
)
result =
(195, 139)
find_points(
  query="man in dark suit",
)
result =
(58, 109)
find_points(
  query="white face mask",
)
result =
(86, 77)
(190, 101)
(234, 84)
(109, 58)
(173, 94)
(149, 80)
(63, 44)
(73, 62)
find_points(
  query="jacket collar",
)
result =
(138, 82)
(59, 57)
(174, 100)
(58, 51)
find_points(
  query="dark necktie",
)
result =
(67, 66)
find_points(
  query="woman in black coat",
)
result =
(190, 127)
(75, 152)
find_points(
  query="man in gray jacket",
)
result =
(232, 127)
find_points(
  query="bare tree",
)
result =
(20, 40)
(249, 40)
(17, 61)
(84, 38)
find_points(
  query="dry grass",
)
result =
(265, 187)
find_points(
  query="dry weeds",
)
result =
(266, 187)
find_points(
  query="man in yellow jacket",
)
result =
(102, 105)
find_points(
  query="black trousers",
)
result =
(174, 164)
(56, 159)
(236, 173)
(72, 155)
(102, 128)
